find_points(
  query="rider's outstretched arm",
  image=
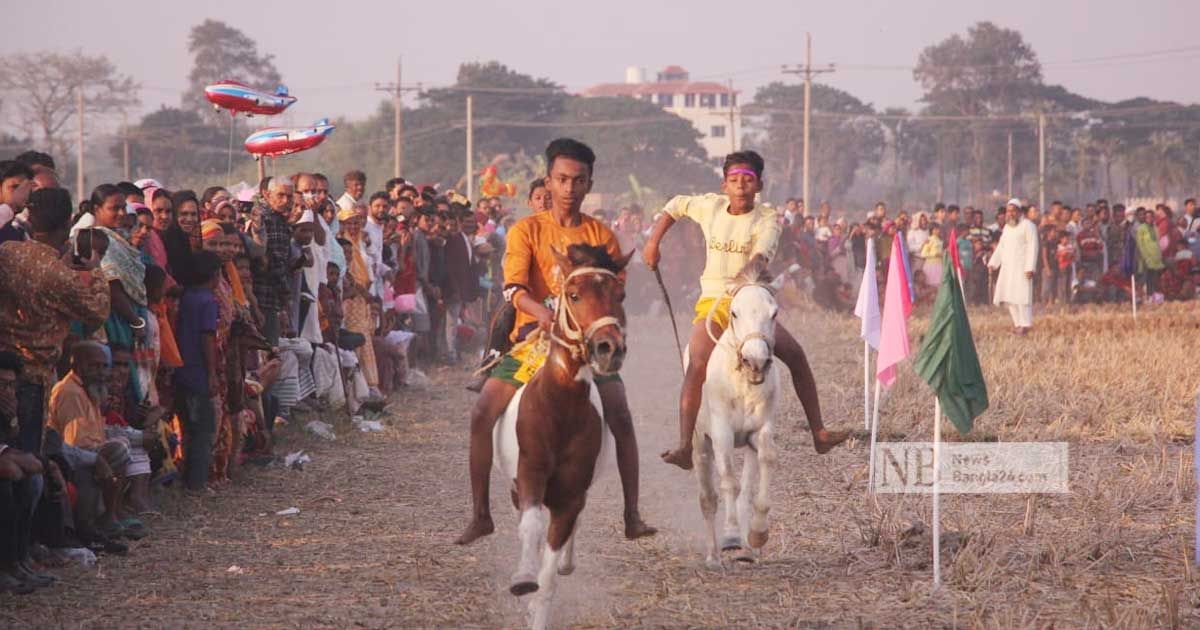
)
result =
(650, 251)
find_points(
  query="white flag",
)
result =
(867, 308)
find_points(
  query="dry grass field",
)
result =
(372, 546)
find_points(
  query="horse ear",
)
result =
(624, 260)
(777, 283)
(564, 262)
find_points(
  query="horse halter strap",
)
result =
(738, 344)
(577, 339)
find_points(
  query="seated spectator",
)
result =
(97, 459)
(1114, 284)
(21, 488)
(121, 413)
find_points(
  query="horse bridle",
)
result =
(738, 344)
(578, 340)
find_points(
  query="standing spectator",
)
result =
(1149, 256)
(197, 382)
(1064, 259)
(931, 256)
(1016, 259)
(377, 211)
(46, 288)
(458, 289)
(355, 183)
(16, 182)
(356, 291)
(272, 288)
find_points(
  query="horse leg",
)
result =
(702, 459)
(558, 536)
(566, 562)
(531, 531)
(767, 457)
(722, 441)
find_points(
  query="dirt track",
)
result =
(372, 544)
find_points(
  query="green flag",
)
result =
(947, 358)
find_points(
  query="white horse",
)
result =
(738, 409)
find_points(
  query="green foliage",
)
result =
(223, 52)
(44, 87)
(844, 136)
(179, 148)
(515, 117)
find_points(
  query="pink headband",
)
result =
(742, 171)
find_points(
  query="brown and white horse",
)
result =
(552, 435)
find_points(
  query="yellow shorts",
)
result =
(720, 308)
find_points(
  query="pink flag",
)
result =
(897, 303)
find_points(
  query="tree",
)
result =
(45, 87)
(991, 72)
(223, 52)
(177, 147)
(661, 150)
(1161, 164)
(843, 136)
(500, 98)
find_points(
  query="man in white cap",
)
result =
(1016, 257)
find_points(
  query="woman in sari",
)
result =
(213, 239)
(355, 291)
(124, 267)
(158, 201)
(182, 236)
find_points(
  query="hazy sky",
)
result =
(331, 53)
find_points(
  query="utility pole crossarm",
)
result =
(808, 71)
(397, 90)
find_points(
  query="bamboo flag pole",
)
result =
(937, 508)
(874, 434)
(1133, 292)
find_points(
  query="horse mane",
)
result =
(753, 272)
(583, 255)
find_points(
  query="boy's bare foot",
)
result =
(636, 528)
(681, 457)
(824, 440)
(478, 528)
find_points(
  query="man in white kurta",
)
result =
(1016, 258)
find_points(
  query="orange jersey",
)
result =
(529, 264)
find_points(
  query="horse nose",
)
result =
(608, 353)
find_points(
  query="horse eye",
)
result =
(733, 314)
(774, 315)
(574, 297)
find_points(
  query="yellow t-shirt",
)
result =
(529, 264)
(730, 240)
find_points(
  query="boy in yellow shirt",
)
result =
(735, 232)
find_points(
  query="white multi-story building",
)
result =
(712, 108)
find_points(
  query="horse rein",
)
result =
(578, 339)
(737, 343)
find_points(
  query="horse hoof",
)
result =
(523, 585)
(745, 557)
(567, 570)
(713, 563)
(731, 543)
(758, 539)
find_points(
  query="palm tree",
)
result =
(1163, 162)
